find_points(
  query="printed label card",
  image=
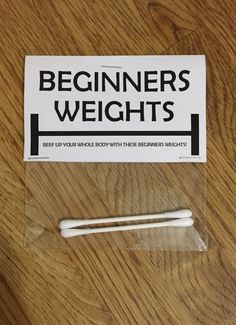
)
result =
(115, 108)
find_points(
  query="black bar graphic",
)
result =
(35, 134)
(194, 134)
(34, 148)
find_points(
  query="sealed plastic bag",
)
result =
(57, 191)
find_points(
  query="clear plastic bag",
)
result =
(56, 191)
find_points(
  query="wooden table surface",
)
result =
(94, 286)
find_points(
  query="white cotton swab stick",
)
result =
(185, 222)
(179, 214)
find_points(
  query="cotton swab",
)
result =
(184, 222)
(179, 214)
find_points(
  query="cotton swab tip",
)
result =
(67, 233)
(185, 213)
(66, 224)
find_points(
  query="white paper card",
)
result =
(115, 108)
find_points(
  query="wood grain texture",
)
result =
(85, 285)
